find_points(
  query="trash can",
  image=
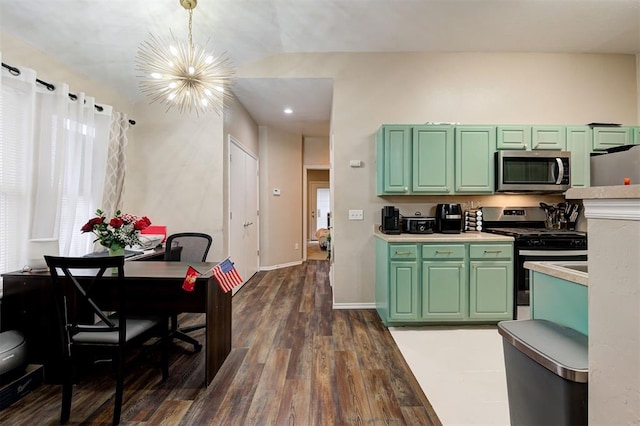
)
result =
(547, 372)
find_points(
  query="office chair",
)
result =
(194, 247)
(114, 332)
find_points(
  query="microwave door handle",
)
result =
(560, 171)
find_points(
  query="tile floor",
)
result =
(460, 369)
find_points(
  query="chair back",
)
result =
(75, 283)
(195, 246)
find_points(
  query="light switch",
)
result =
(355, 163)
(356, 215)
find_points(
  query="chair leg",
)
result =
(117, 407)
(165, 351)
(67, 391)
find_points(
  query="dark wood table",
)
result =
(152, 288)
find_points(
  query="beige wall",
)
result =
(280, 216)
(316, 151)
(458, 87)
(175, 172)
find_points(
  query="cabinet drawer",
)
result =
(490, 251)
(443, 252)
(403, 251)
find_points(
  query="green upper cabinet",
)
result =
(513, 137)
(432, 159)
(636, 135)
(548, 137)
(579, 144)
(474, 158)
(394, 159)
(610, 137)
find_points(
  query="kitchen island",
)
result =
(426, 279)
(559, 293)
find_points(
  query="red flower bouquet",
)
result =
(120, 231)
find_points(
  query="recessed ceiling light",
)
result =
(288, 110)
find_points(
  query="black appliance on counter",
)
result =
(418, 224)
(448, 218)
(390, 223)
(532, 242)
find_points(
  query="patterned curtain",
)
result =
(116, 161)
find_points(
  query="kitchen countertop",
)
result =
(558, 270)
(604, 192)
(463, 237)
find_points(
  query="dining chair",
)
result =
(187, 247)
(90, 296)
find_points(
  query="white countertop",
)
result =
(558, 270)
(463, 237)
(604, 192)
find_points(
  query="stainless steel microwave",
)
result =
(533, 171)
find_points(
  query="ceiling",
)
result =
(101, 38)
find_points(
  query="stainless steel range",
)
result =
(533, 242)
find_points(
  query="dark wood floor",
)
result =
(294, 361)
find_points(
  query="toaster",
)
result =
(419, 225)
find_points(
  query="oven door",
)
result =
(532, 255)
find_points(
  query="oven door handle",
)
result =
(552, 253)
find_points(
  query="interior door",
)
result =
(243, 211)
(318, 207)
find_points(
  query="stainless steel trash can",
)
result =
(547, 372)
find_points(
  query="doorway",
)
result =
(317, 213)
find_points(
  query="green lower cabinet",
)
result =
(491, 290)
(403, 290)
(427, 283)
(444, 292)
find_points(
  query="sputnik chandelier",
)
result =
(183, 75)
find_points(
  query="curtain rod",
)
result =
(16, 72)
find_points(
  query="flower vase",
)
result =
(118, 251)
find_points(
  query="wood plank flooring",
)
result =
(294, 361)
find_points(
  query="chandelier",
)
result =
(183, 75)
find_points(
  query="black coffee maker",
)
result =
(390, 220)
(448, 218)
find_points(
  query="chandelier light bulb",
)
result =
(183, 75)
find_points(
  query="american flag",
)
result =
(226, 275)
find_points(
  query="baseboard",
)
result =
(284, 265)
(354, 305)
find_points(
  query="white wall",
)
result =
(472, 88)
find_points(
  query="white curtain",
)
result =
(52, 156)
(116, 161)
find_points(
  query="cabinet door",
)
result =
(432, 159)
(491, 290)
(610, 137)
(635, 132)
(475, 146)
(548, 137)
(444, 295)
(579, 144)
(403, 288)
(394, 159)
(513, 137)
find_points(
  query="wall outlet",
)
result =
(296, 247)
(356, 215)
